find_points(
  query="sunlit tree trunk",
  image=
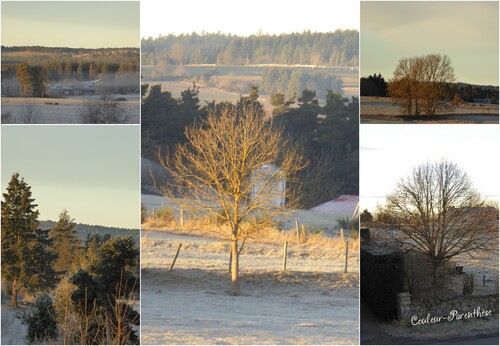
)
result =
(235, 283)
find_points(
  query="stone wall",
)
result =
(409, 306)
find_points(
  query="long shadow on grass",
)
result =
(255, 282)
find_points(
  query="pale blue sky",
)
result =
(92, 171)
(247, 17)
(75, 24)
(465, 31)
(389, 153)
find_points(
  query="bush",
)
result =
(165, 214)
(40, 321)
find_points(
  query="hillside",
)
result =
(83, 230)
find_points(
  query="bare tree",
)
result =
(419, 84)
(440, 213)
(30, 112)
(225, 170)
(106, 110)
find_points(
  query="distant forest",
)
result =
(339, 48)
(28, 70)
(291, 82)
(376, 85)
(65, 63)
(84, 231)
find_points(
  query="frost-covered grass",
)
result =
(313, 302)
(63, 110)
(13, 331)
(381, 109)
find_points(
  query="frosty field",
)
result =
(61, 110)
(381, 110)
(313, 302)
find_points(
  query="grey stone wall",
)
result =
(409, 306)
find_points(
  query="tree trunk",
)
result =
(234, 268)
(13, 297)
(435, 281)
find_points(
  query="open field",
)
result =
(381, 110)
(61, 110)
(313, 302)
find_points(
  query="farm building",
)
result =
(72, 87)
(345, 205)
(269, 182)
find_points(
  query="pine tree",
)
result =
(26, 258)
(65, 243)
(40, 322)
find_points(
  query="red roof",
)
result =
(344, 205)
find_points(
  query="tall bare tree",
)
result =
(441, 214)
(419, 84)
(216, 172)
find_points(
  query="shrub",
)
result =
(165, 214)
(40, 321)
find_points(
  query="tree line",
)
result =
(82, 288)
(328, 134)
(290, 81)
(76, 68)
(339, 48)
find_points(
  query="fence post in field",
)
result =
(175, 258)
(484, 280)
(346, 254)
(153, 213)
(285, 250)
(182, 218)
(297, 229)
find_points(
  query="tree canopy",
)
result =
(419, 84)
(339, 48)
(440, 213)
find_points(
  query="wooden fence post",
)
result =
(346, 254)
(285, 250)
(297, 229)
(182, 218)
(175, 258)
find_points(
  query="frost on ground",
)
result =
(13, 331)
(61, 110)
(313, 302)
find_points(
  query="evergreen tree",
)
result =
(40, 322)
(108, 282)
(65, 243)
(26, 258)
